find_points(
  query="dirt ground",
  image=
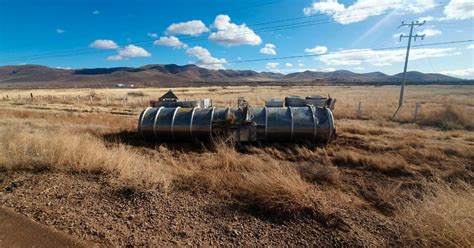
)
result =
(90, 209)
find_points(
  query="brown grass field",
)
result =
(71, 159)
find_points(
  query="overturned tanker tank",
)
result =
(293, 119)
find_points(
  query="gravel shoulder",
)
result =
(91, 209)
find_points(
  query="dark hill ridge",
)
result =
(192, 75)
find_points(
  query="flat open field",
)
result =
(72, 160)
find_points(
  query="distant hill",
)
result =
(192, 75)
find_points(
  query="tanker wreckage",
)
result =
(292, 119)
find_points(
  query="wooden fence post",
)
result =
(90, 99)
(106, 100)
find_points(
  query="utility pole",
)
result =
(411, 25)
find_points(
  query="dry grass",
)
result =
(449, 117)
(390, 165)
(374, 166)
(23, 147)
(441, 106)
(265, 183)
(443, 218)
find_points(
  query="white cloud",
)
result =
(114, 58)
(133, 51)
(316, 50)
(170, 41)
(104, 44)
(152, 35)
(231, 34)
(205, 59)
(329, 7)
(64, 68)
(96, 12)
(194, 28)
(467, 73)
(359, 68)
(470, 46)
(383, 57)
(130, 51)
(363, 9)
(426, 19)
(268, 49)
(60, 31)
(458, 10)
(329, 69)
(430, 32)
(272, 65)
(301, 65)
(288, 65)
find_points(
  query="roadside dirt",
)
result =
(90, 208)
(19, 231)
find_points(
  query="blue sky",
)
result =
(217, 33)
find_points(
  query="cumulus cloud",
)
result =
(359, 68)
(104, 44)
(130, 51)
(458, 10)
(114, 58)
(430, 32)
(328, 69)
(194, 28)
(133, 51)
(316, 50)
(426, 19)
(60, 31)
(152, 35)
(363, 9)
(64, 68)
(470, 46)
(467, 73)
(383, 57)
(95, 12)
(231, 34)
(272, 65)
(288, 65)
(170, 41)
(268, 49)
(205, 59)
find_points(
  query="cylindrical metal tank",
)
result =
(272, 124)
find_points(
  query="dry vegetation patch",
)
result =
(444, 217)
(372, 175)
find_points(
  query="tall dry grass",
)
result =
(258, 182)
(442, 218)
(23, 147)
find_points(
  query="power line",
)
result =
(86, 51)
(340, 52)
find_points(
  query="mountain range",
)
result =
(192, 75)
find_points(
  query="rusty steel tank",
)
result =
(300, 119)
